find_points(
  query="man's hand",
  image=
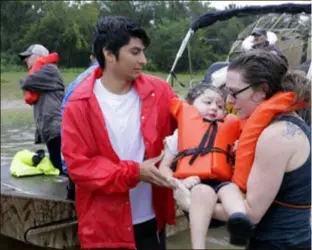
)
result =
(149, 173)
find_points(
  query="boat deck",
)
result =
(44, 187)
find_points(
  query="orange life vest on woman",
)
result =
(263, 115)
(32, 97)
(205, 146)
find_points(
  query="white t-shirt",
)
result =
(171, 143)
(122, 115)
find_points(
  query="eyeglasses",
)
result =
(234, 94)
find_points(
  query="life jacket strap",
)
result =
(206, 145)
(188, 152)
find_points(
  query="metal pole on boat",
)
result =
(309, 74)
(180, 52)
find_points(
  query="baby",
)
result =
(199, 196)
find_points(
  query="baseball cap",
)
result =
(259, 32)
(34, 49)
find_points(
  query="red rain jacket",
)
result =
(102, 180)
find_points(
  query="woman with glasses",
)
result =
(281, 170)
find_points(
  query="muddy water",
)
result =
(217, 238)
(18, 134)
(14, 104)
(14, 139)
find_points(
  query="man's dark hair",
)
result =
(113, 32)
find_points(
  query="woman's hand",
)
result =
(182, 195)
(191, 181)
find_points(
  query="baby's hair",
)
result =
(200, 88)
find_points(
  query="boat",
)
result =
(35, 210)
(288, 29)
(288, 26)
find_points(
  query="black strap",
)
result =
(174, 76)
(206, 144)
(188, 152)
(208, 138)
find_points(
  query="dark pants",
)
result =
(146, 237)
(54, 148)
(70, 190)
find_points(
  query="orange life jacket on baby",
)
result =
(32, 97)
(253, 127)
(205, 146)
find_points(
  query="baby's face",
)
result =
(210, 105)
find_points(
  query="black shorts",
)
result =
(214, 184)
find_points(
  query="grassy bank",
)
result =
(10, 89)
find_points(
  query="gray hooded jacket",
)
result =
(49, 83)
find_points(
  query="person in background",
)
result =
(72, 86)
(113, 128)
(261, 42)
(68, 92)
(260, 38)
(47, 81)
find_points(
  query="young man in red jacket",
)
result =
(112, 136)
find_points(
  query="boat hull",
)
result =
(35, 210)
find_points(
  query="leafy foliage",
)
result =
(66, 27)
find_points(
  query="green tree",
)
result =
(66, 29)
(166, 39)
(16, 19)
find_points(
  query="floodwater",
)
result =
(217, 238)
(18, 134)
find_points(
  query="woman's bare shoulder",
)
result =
(282, 138)
(284, 129)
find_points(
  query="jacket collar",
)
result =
(143, 85)
(51, 58)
